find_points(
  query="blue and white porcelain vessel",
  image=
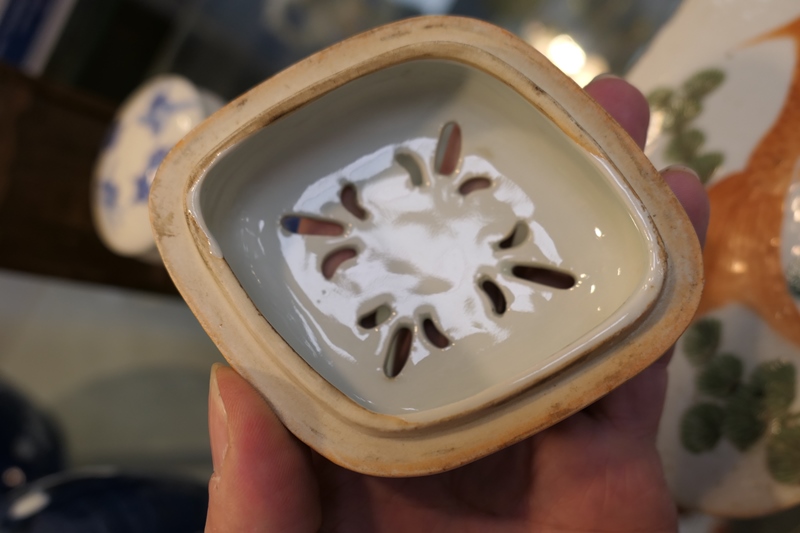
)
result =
(148, 124)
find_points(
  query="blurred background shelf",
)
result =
(49, 139)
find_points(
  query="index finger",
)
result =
(624, 103)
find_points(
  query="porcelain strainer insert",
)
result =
(424, 245)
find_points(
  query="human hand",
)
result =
(595, 471)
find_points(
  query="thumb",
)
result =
(262, 479)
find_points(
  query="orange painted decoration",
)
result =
(742, 253)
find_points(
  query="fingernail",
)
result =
(217, 421)
(681, 168)
(606, 75)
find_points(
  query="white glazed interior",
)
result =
(581, 221)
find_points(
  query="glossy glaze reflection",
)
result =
(426, 251)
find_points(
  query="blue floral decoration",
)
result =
(160, 110)
(109, 194)
(144, 180)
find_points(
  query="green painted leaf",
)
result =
(774, 384)
(692, 140)
(702, 83)
(661, 98)
(701, 340)
(701, 427)
(668, 124)
(687, 110)
(721, 376)
(684, 146)
(743, 424)
(674, 119)
(706, 164)
(674, 151)
(783, 454)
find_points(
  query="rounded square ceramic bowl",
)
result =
(425, 244)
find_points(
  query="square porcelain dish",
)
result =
(425, 244)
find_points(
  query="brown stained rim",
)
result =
(475, 44)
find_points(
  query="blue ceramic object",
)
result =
(105, 502)
(30, 445)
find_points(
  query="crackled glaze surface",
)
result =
(423, 248)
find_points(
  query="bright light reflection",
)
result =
(184, 123)
(566, 54)
(656, 125)
(739, 267)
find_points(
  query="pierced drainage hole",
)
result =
(474, 184)
(433, 334)
(517, 236)
(310, 226)
(349, 198)
(376, 317)
(495, 295)
(448, 149)
(411, 166)
(399, 350)
(544, 276)
(335, 259)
